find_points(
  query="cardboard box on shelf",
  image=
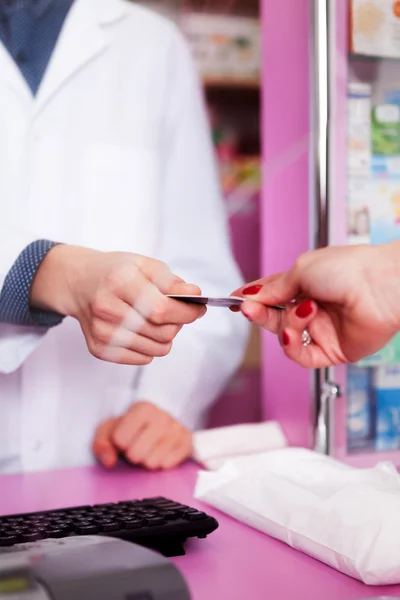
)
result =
(358, 129)
(386, 386)
(375, 28)
(358, 210)
(385, 129)
(224, 46)
(360, 428)
(385, 204)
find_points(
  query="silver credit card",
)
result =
(226, 302)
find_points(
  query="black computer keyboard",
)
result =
(157, 523)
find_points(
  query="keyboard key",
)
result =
(133, 523)
(170, 514)
(32, 536)
(8, 540)
(155, 521)
(107, 527)
(89, 529)
(196, 516)
(56, 533)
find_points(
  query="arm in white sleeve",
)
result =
(196, 247)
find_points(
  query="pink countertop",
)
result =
(234, 563)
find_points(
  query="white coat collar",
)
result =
(82, 38)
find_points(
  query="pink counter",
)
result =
(234, 563)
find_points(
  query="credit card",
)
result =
(226, 302)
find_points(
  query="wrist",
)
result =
(384, 278)
(58, 280)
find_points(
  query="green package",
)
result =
(385, 134)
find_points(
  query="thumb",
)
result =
(273, 290)
(180, 288)
(103, 448)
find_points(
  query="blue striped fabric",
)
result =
(14, 296)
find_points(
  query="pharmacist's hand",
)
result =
(146, 436)
(348, 298)
(119, 300)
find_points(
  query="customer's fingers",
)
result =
(310, 357)
(274, 290)
(324, 349)
(103, 448)
(261, 281)
(268, 318)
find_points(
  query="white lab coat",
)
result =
(113, 153)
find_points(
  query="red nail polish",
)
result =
(304, 310)
(285, 339)
(234, 308)
(252, 290)
(246, 315)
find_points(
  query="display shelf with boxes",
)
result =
(373, 209)
(331, 108)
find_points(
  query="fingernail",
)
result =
(246, 315)
(304, 310)
(234, 308)
(252, 290)
(285, 339)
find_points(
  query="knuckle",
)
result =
(99, 306)
(131, 456)
(100, 333)
(118, 440)
(300, 262)
(159, 313)
(97, 349)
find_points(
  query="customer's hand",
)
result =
(119, 300)
(348, 298)
(146, 436)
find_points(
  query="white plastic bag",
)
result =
(213, 447)
(347, 518)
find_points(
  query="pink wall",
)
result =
(285, 206)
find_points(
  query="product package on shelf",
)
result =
(386, 389)
(385, 203)
(358, 129)
(360, 417)
(375, 28)
(224, 46)
(373, 181)
(358, 162)
(384, 214)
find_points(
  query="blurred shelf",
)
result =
(232, 83)
(245, 8)
(371, 57)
